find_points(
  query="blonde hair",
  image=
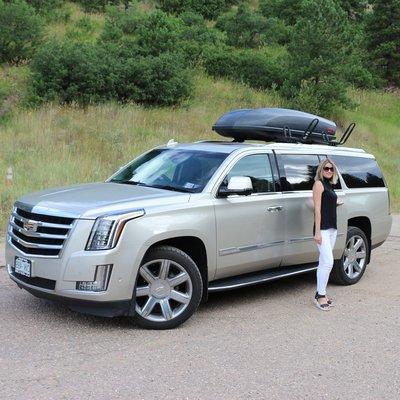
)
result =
(319, 174)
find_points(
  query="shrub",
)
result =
(45, 6)
(247, 28)
(85, 73)
(20, 31)
(96, 5)
(250, 67)
(209, 9)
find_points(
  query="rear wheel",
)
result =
(351, 267)
(168, 288)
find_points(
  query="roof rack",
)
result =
(279, 125)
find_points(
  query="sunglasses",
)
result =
(331, 169)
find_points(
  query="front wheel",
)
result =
(351, 267)
(168, 288)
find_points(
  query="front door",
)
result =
(250, 229)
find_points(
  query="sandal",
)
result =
(328, 299)
(323, 307)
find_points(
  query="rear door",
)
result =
(297, 173)
(250, 229)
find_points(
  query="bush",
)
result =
(45, 6)
(209, 9)
(247, 28)
(250, 67)
(156, 32)
(20, 31)
(87, 73)
(96, 5)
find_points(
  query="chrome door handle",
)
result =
(275, 208)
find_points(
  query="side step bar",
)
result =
(255, 278)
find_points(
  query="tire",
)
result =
(168, 289)
(351, 267)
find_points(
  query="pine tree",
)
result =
(317, 54)
(383, 37)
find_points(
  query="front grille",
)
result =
(38, 234)
(36, 281)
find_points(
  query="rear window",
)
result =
(359, 172)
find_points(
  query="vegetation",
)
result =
(20, 31)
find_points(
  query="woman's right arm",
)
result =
(318, 188)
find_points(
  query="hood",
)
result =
(89, 201)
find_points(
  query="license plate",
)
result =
(22, 266)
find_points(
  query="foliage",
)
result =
(383, 39)
(96, 5)
(45, 6)
(20, 31)
(317, 55)
(85, 73)
(287, 10)
(247, 28)
(209, 9)
(157, 32)
(355, 9)
(250, 67)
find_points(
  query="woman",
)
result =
(325, 227)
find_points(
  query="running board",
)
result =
(255, 278)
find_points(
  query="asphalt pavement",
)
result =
(264, 342)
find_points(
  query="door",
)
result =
(297, 173)
(250, 229)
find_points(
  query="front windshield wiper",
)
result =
(131, 183)
(174, 188)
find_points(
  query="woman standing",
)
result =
(325, 227)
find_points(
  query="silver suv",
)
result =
(184, 220)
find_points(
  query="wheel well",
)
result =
(364, 224)
(196, 250)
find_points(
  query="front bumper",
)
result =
(56, 278)
(101, 309)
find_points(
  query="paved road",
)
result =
(266, 342)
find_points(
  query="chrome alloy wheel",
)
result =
(355, 256)
(163, 290)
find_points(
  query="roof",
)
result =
(228, 147)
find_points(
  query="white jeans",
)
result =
(325, 258)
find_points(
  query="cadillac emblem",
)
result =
(31, 226)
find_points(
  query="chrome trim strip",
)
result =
(244, 284)
(34, 245)
(41, 223)
(29, 256)
(37, 234)
(303, 239)
(234, 250)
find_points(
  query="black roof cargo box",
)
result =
(276, 124)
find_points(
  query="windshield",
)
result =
(180, 170)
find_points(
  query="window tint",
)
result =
(359, 172)
(300, 170)
(258, 169)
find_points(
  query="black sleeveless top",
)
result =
(328, 206)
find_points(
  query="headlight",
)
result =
(107, 230)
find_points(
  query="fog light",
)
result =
(101, 279)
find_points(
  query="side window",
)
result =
(257, 167)
(300, 171)
(359, 172)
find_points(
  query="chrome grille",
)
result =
(38, 234)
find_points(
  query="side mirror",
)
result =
(240, 185)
